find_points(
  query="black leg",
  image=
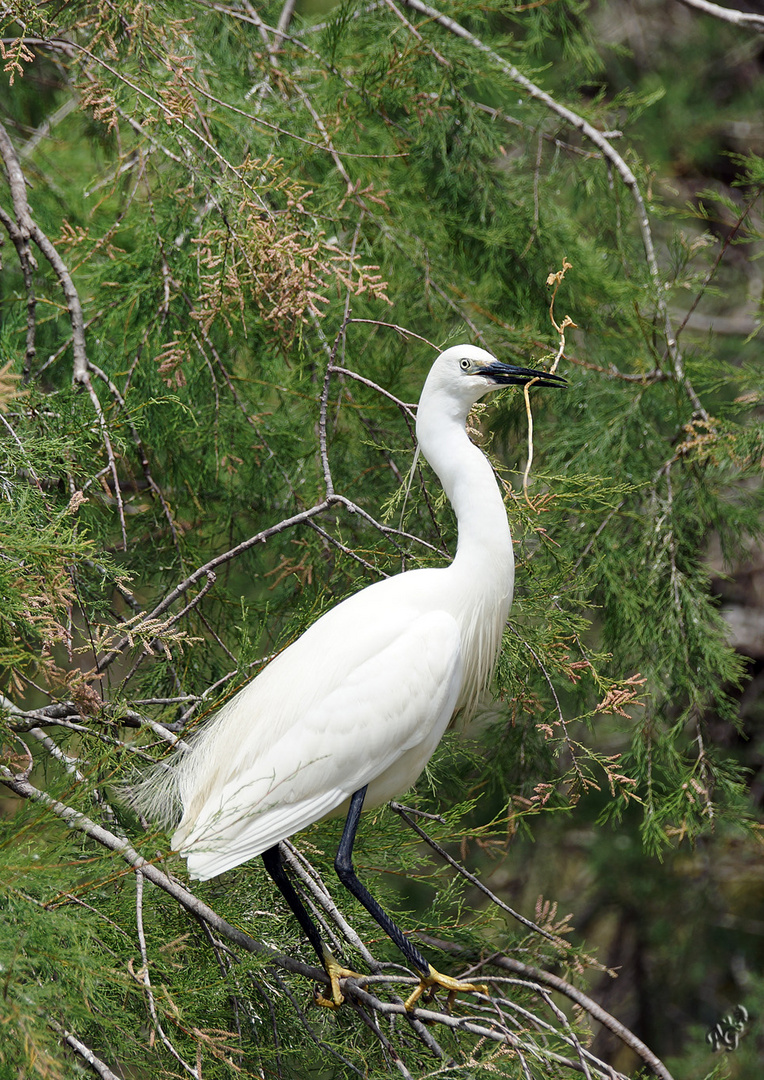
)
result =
(275, 867)
(343, 864)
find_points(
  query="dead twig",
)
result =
(27, 229)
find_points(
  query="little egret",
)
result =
(350, 713)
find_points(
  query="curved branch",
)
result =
(30, 229)
(204, 571)
(302, 518)
(730, 15)
(596, 1011)
(28, 265)
(528, 923)
(602, 142)
(83, 1050)
(81, 368)
(122, 847)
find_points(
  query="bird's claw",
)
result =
(335, 971)
(430, 982)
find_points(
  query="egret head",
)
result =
(465, 373)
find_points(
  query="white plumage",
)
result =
(365, 694)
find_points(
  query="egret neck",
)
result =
(481, 576)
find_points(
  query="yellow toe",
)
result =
(434, 979)
(335, 971)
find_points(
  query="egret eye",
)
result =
(464, 364)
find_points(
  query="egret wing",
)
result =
(377, 727)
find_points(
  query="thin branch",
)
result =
(495, 1033)
(388, 1046)
(404, 813)
(66, 714)
(415, 33)
(387, 530)
(302, 518)
(138, 442)
(402, 330)
(284, 20)
(30, 229)
(218, 560)
(560, 144)
(51, 121)
(407, 410)
(81, 367)
(729, 238)
(20, 445)
(122, 847)
(28, 266)
(329, 145)
(323, 434)
(560, 712)
(330, 1050)
(84, 378)
(84, 1051)
(573, 993)
(531, 1018)
(602, 142)
(173, 118)
(300, 866)
(730, 15)
(69, 763)
(143, 977)
(351, 554)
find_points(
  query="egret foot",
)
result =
(335, 971)
(433, 979)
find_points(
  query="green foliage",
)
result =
(265, 236)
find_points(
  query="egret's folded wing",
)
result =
(385, 717)
(210, 853)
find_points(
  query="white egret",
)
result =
(350, 713)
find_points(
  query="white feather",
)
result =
(364, 696)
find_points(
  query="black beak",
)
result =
(509, 375)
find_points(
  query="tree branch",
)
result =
(730, 15)
(602, 142)
(84, 1051)
(596, 1011)
(122, 847)
(81, 368)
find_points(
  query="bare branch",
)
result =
(144, 979)
(315, 886)
(28, 265)
(141, 450)
(351, 554)
(602, 142)
(415, 33)
(403, 811)
(284, 20)
(30, 229)
(122, 847)
(81, 368)
(730, 15)
(84, 1051)
(573, 993)
(218, 560)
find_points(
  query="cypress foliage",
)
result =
(230, 253)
